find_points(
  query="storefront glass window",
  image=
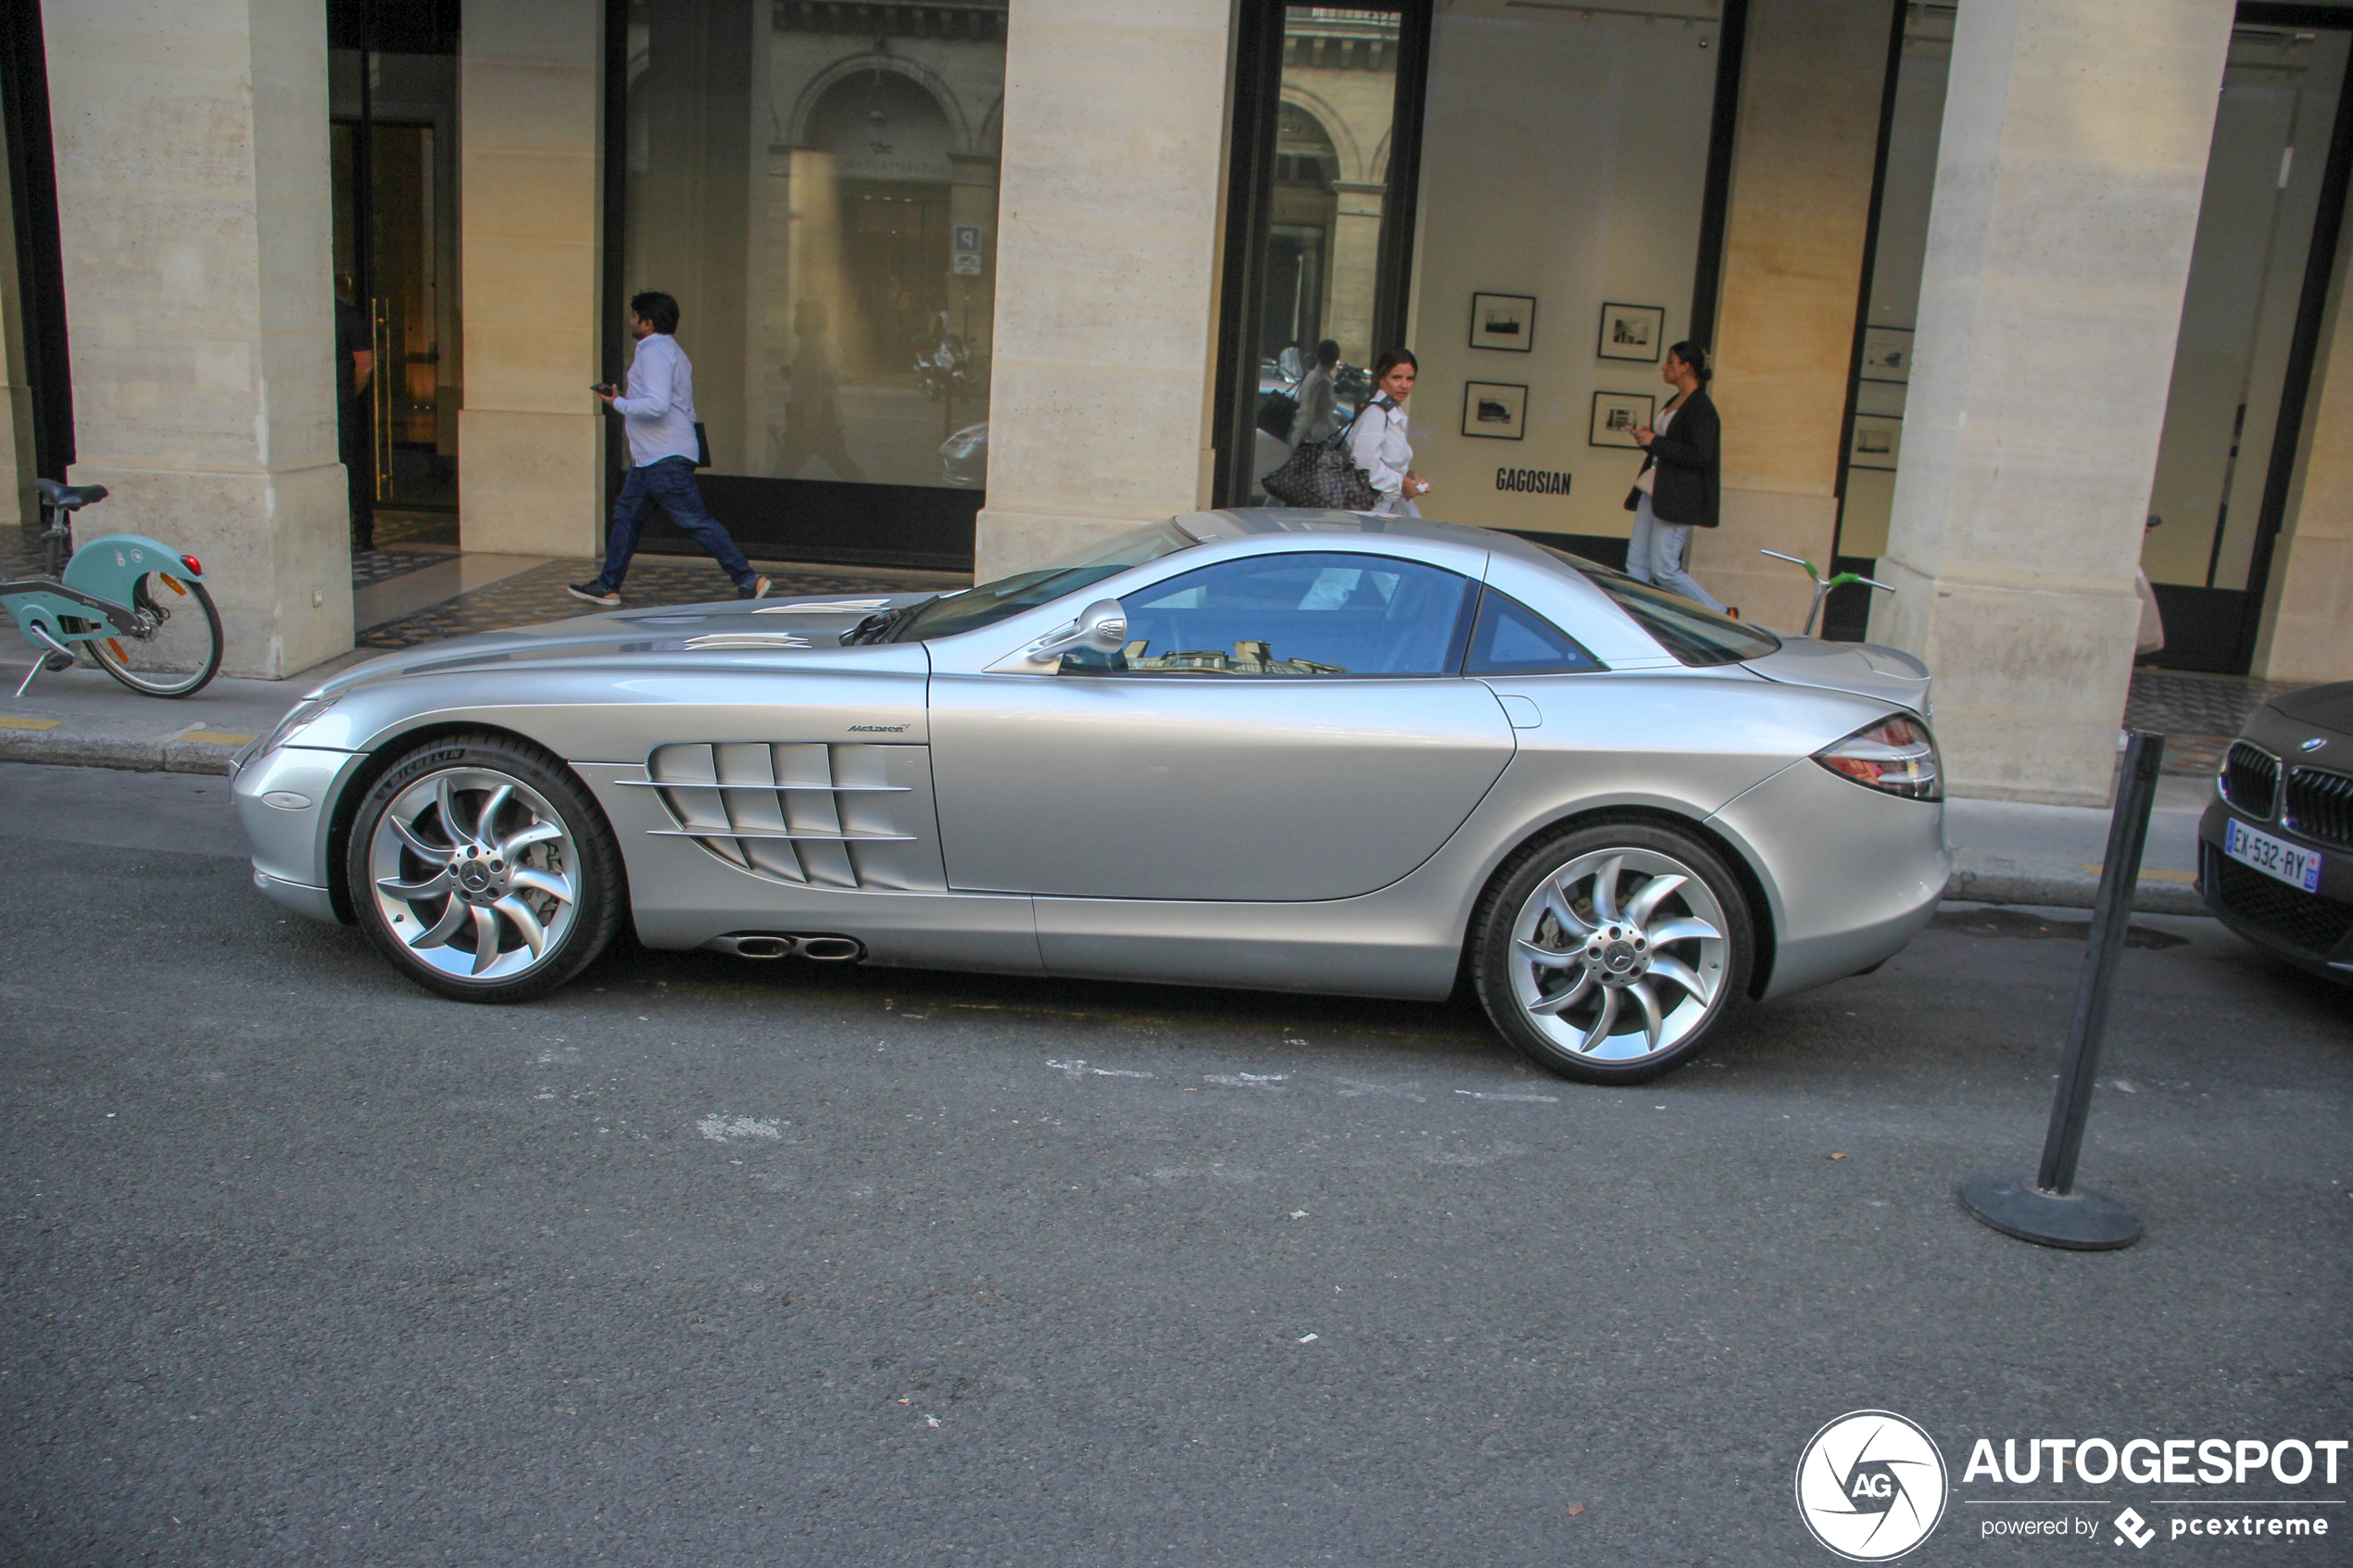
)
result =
(817, 186)
(1562, 188)
(2255, 232)
(1321, 267)
(2231, 368)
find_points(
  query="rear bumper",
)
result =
(1850, 874)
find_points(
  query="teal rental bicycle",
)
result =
(139, 606)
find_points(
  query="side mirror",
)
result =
(1101, 626)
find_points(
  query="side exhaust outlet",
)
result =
(766, 945)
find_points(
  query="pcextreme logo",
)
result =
(1871, 1485)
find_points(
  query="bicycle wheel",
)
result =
(180, 654)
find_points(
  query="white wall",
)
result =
(1563, 157)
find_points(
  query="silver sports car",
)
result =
(1306, 751)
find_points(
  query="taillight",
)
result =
(1896, 754)
(196, 568)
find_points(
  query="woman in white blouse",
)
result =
(1377, 439)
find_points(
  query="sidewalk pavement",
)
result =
(2004, 852)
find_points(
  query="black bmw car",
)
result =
(2275, 860)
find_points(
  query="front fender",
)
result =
(110, 567)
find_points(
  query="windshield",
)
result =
(1695, 637)
(951, 613)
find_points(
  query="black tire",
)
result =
(1638, 990)
(431, 879)
(197, 642)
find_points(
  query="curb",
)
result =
(168, 756)
(1991, 886)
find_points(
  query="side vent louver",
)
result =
(809, 812)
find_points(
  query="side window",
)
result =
(1299, 615)
(1512, 639)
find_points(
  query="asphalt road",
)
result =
(712, 1262)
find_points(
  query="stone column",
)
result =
(193, 198)
(2068, 184)
(2308, 622)
(1355, 269)
(530, 470)
(1107, 262)
(16, 394)
(1813, 76)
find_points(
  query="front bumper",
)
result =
(2312, 931)
(286, 801)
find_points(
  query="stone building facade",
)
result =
(983, 280)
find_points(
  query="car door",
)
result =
(1282, 726)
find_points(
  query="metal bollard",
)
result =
(2054, 1212)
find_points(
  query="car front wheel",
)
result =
(1614, 953)
(482, 868)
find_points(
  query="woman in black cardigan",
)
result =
(1677, 489)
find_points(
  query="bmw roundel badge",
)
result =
(2314, 744)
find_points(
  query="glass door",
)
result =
(393, 152)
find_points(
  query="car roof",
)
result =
(1235, 522)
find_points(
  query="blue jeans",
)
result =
(1654, 554)
(671, 484)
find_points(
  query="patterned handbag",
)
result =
(1322, 474)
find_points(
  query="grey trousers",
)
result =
(1654, 554)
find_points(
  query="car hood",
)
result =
(728, 626)
(2320, 708)
(1860, 668)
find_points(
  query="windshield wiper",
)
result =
(885, 624)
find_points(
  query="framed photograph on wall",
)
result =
(1887, 354)
(1632, 331)
(1618, 415)
(1878, 442)
(1502, 320)
(1495, 410)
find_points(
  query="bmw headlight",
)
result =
(298, 718)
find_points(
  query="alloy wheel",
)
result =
(1618, 957)
(476, 874)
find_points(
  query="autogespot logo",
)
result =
(1871, 1485)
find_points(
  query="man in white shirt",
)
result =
(658, 411)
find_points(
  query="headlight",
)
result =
(298, 717)
(1896, 754)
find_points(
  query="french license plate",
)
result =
(2298, 868)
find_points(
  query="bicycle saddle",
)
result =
(68, 497)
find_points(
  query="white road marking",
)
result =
(1215, 1172)
(720, 1129)
(1245, 1080)
(1078, 1069)
(1527, 1100)
(1350, 1088)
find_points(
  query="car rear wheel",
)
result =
(481, 867)
(1613, 953)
